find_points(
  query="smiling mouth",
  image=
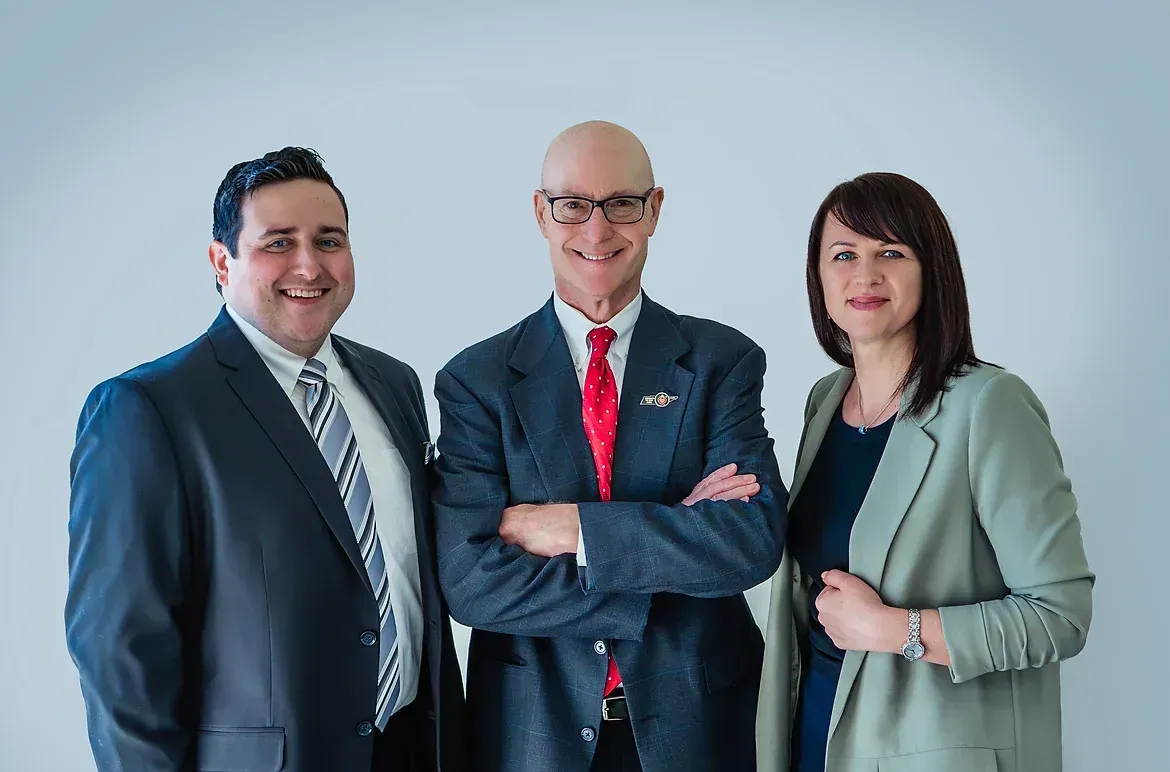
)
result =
(304, 294)
(596, 257)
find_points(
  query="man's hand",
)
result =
(546, 530)
(549, 530)
(724, 485)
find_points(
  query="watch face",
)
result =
(912, 651)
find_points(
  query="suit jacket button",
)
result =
(365, 729)
(369, 638)
(588, 735)
(599, 647)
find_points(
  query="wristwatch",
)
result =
(912, 649)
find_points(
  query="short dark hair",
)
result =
(895, 209)
(243, 179)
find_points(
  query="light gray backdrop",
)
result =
(1040, 127)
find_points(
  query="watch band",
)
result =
(913, 649)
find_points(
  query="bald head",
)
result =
(596, 159)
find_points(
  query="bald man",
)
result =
(603, 577)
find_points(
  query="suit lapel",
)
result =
(253, 383)
(406, 435)
(815, 434)
(899, 474)
(548, 404)
(374, 386)
(411, 441)
(647, 434)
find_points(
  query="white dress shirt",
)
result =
(577, 327)
(389, 485)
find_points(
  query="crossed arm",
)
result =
(513, 570)
(549, 530)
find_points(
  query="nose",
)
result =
(866, 272)
(305, 264)
(597, 228)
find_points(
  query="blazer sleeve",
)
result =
(713, 548)
(128, 561)
(495, 586)
(1026, 506)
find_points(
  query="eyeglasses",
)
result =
(619, 210)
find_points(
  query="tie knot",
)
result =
(313, 373)
(601, 339)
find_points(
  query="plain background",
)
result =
(1040, 128)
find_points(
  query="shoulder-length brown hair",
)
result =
(895, 209)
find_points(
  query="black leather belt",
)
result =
(614, 708)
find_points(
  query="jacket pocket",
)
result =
(730, 665)
(239, 749)
(949, 759)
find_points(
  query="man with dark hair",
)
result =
(252, 571)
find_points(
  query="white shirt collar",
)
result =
(286, 366)
(577, 327)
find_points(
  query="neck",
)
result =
(303, 349)
(599, 310)
(880, 367)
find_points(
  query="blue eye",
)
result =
(892, 253)
(279, 243)
(844, 256)
(330, 243)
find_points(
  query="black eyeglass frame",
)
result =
(594, 204)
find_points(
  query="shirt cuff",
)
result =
(581, 548)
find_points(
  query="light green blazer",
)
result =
(969, 512)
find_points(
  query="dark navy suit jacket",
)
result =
(217, 598)
(663, 590)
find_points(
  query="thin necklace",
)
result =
(861, 411)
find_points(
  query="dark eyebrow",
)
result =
(842, 244)
(335, 230)
(278, 232)
(324, 230)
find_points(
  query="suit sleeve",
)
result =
(1026, 506)
(713, 548)
(128, 547)
(491, 585)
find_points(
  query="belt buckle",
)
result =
(605, 708)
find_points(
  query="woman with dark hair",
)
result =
(934, 575)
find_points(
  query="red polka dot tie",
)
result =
(599, 408)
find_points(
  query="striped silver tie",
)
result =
(334, 435)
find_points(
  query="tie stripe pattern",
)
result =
(334, 435)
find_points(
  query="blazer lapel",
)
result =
(899, 474)
(648, 433)
(253, 383)
(411, 441)
(403, 432)
(548, 404)
(815, 434)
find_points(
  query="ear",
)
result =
(220, 259)
(541, 212)
(653, 208)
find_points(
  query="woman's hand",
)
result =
(855, 618)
